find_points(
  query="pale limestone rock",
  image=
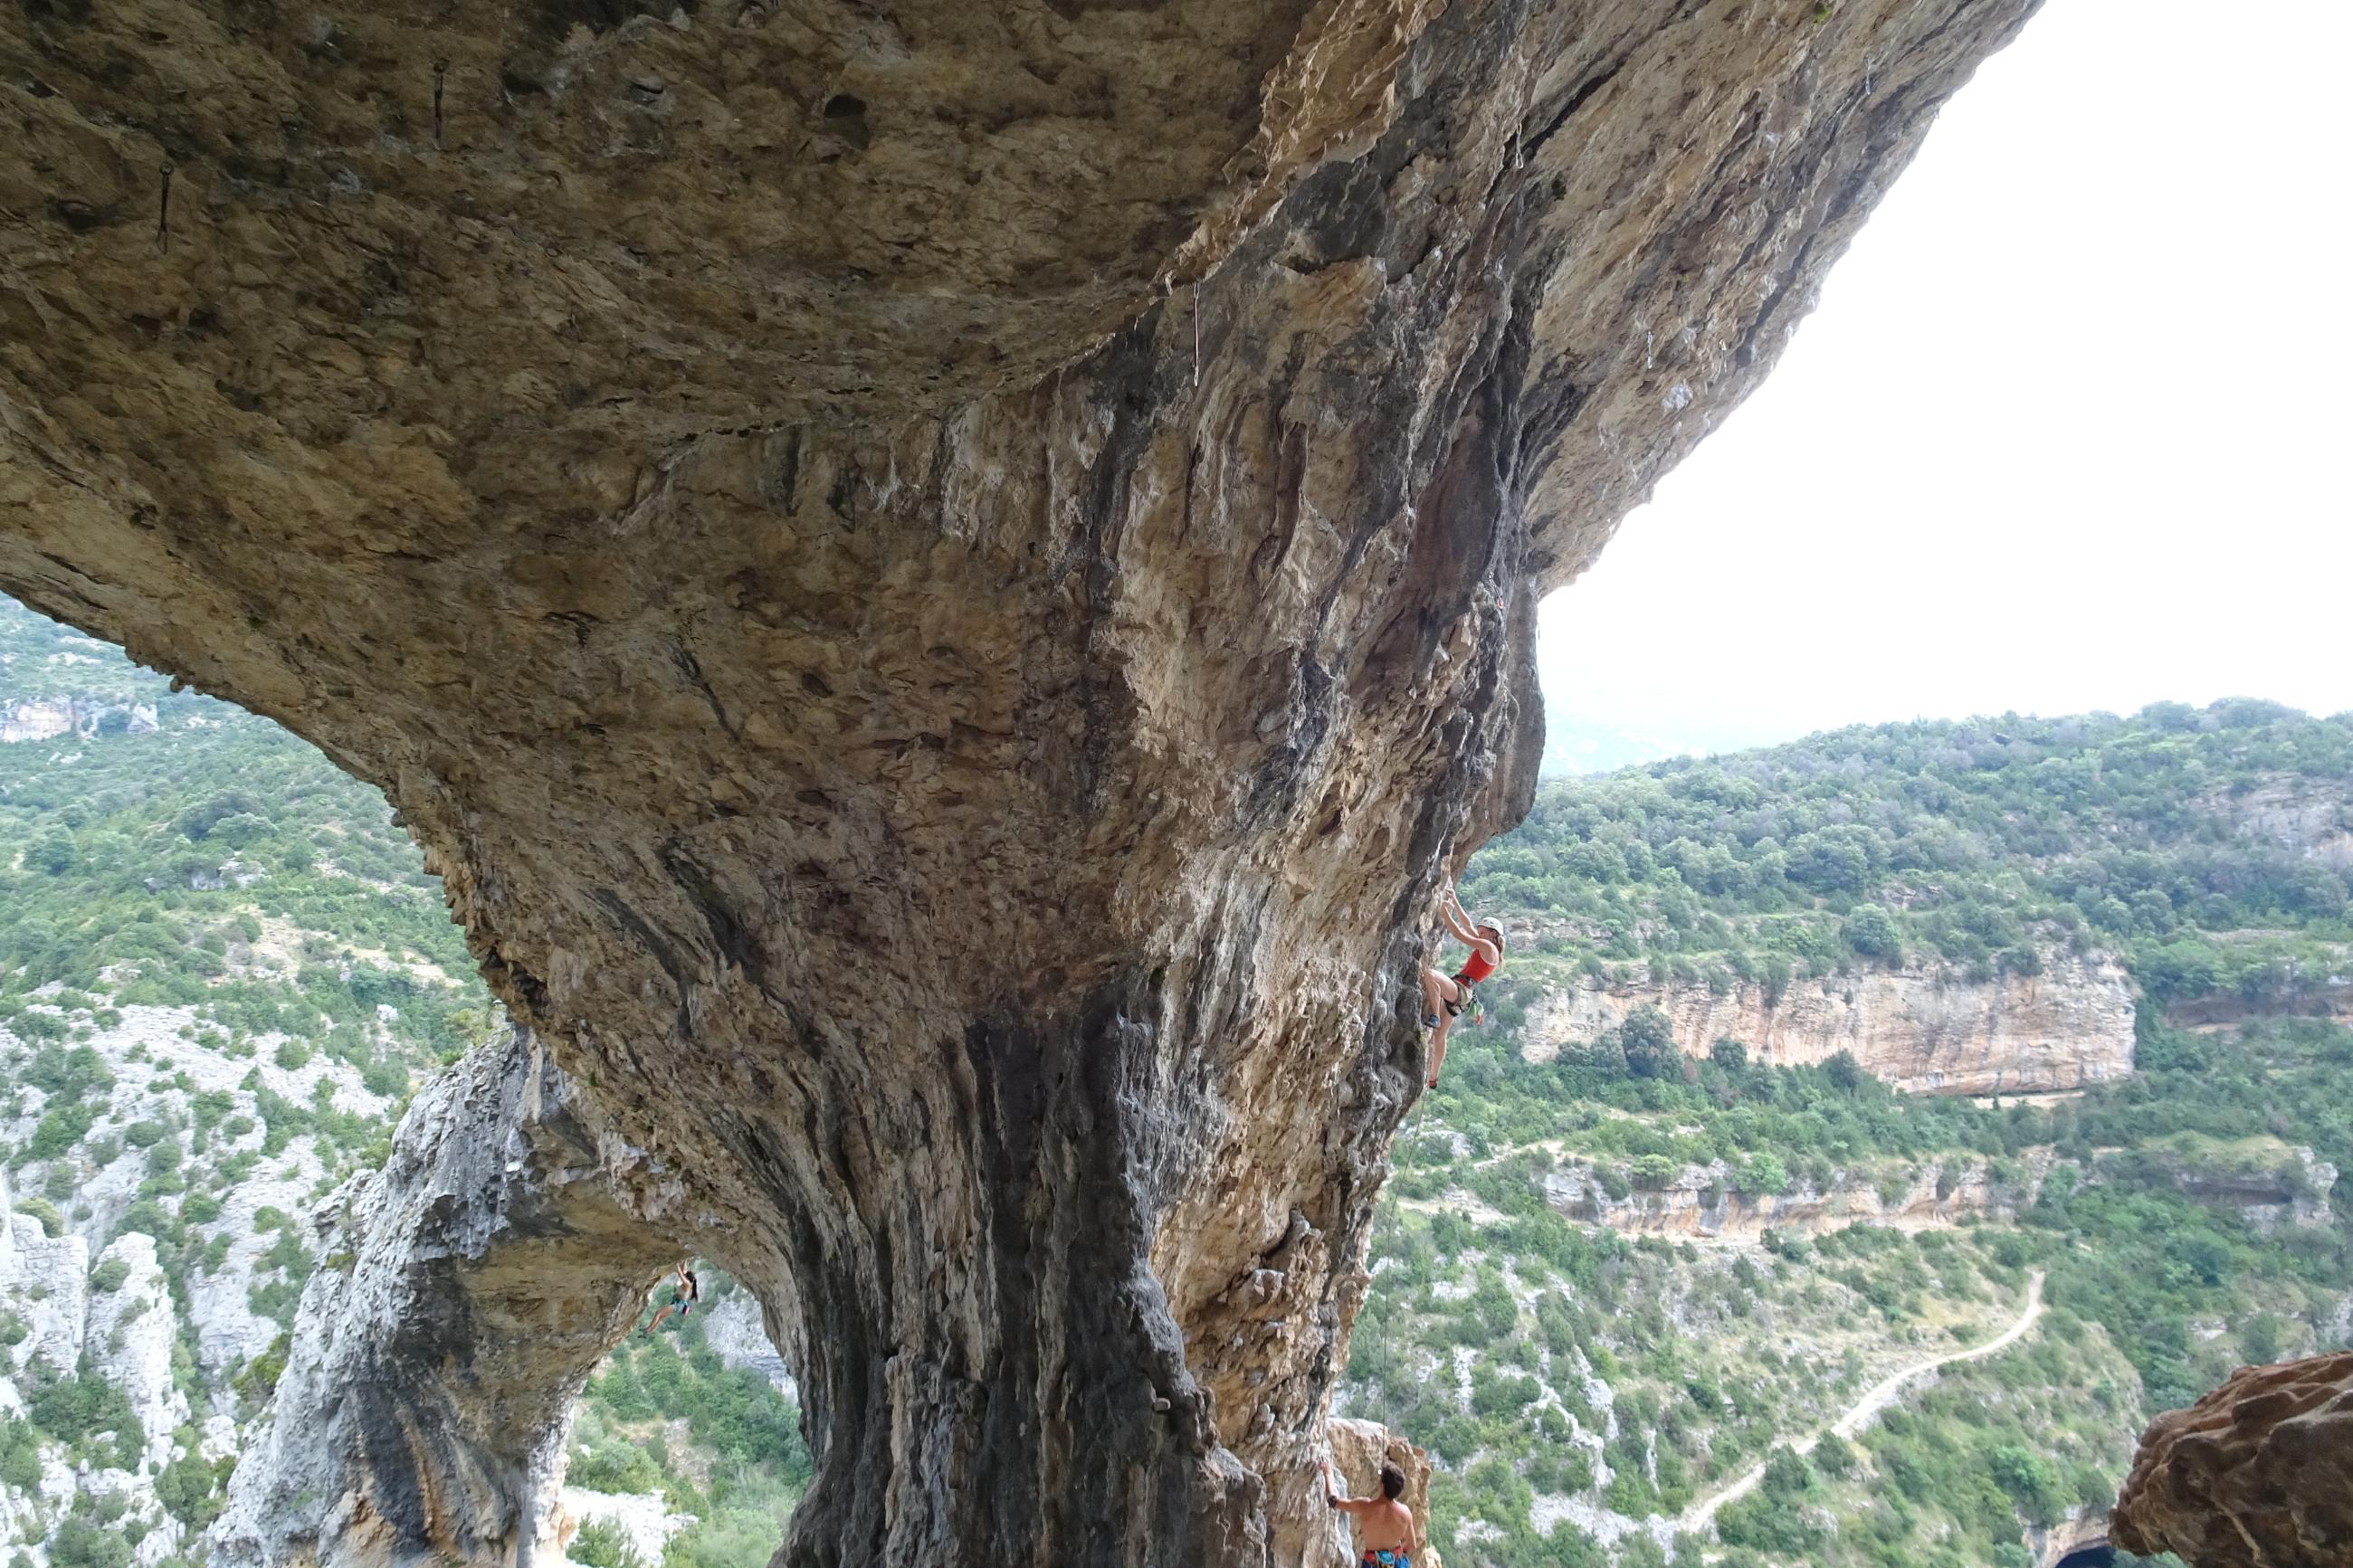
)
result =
(34, 719)
(48, 1287)
(227, 1330)
(124, 1336)
(49, 717)
(1358, 1450)
(129, 1339)
(148, 1047)
(1702, 1201)
(644, 1518)
(2080, 1528)
(734, 1328)
(1918, 1029)
(468, 1289)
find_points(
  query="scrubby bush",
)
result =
(601, 1544)
(615, 1466)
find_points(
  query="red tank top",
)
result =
(1474, 969)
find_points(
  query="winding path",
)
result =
(1700, 1515)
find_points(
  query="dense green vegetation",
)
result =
(220, 863)
(1573, 1382)
(209, 903)
(1980, 846)
(2209, 1110)
(740, 1474)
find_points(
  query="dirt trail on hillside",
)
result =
(1867, 1409)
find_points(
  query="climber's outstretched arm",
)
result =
(1450, 910)
(1340, 1500)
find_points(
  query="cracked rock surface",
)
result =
(2258, 1474)
(471, 1286)
(943, 584)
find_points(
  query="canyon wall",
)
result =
(944, 586)
(2289, 1187)
(2311, 818)
(1915, 1028)
(46, 718)
(1705, 1201)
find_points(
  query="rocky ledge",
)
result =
(2258, 1474)
(1921, 1029)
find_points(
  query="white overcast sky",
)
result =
(2068, 431)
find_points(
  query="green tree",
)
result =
(53, 852)
(1845, 1074)
(2031, 1482)
(1648, 1038)
(1871, 932)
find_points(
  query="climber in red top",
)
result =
(1445, 998)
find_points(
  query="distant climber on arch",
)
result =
(1446, 997)
(1386, 1522)
(683, 1295)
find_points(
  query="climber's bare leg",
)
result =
(1439, 997)
(1438, 1047)
(1436, 992)
(657, 1324)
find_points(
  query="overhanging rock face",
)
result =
(943, 583)
(2258, 1474)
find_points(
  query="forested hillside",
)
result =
(1625, 1265)
(2212, 846)
(223, 972)
(1662, 1268)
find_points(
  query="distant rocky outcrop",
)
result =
(2282, 1185)
(2319, 995)
(49, 717)
(735, 1329)
(2051, 1545)
(111, 1322)
(1922, 1030)
(2258, 1474)
(2309, 817)
(644, 1520)
(94, 1301)
(2270, 1183)
(1705, 1201)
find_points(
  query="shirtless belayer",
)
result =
(1384, 1523)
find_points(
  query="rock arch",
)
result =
(471, 1285)
(942, 645)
